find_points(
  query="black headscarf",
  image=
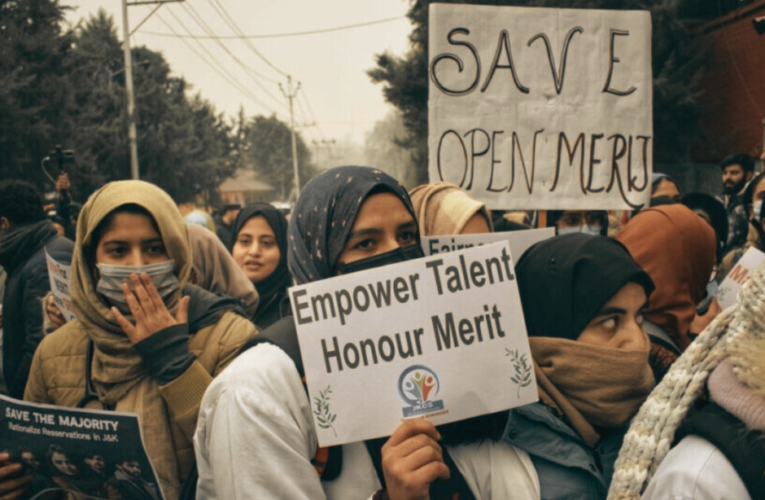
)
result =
(324, 216)
(566, 280)
(279, 280)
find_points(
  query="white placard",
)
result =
(520, 241)
(441, 338)
(58, 274)
(537, 108)
(738, 276)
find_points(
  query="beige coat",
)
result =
(57, 377)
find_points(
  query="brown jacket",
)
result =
(57, 377)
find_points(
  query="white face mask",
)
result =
(586, 229)
(112, 277)
(757, 210)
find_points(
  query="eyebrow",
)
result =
(617, 310)
(375, 231)
(124, 242)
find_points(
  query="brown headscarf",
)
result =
(217, 272)
(443, 208)
(676, 248)
(118, 374)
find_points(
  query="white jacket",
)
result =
(255, 439)
(696, 470)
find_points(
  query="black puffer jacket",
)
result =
(22, 254)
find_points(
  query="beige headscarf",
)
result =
(117, 372)
(217, 271)
(443, 208)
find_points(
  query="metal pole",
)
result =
(290, 95)
(132, 133)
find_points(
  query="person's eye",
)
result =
(157, 249)
(244, 242)
(407, 236)
(117, 251)
(364, 244)
(268, 243)
(609, 323)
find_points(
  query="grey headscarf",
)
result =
(324, 216)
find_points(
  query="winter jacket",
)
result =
(567, 468)
(22, 254)
(58, 374)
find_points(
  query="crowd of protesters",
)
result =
(646, 388)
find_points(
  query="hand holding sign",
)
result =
(412, 459)
(12, 484)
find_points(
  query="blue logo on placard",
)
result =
(418, 386)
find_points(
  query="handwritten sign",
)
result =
(441, 338)
(101, 452)
(538, 108)
(520, 241)
(738, 276)
(58, 274)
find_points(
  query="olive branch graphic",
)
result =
(522, 375)
(325, 418)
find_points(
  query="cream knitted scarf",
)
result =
(653, 430)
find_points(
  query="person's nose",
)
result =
(632, 337)
(255, 249)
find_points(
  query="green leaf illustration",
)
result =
(324, 417)
(522, 377)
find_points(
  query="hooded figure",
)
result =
(443, 208)
(677, 249)
(274, 303)
(91, 362)
(214, 270)
(589, 391)
(258, 409)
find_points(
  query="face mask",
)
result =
(593, 230)
(757, 209)
(400, 254)
(112, 277)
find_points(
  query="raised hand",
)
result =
(148, 309)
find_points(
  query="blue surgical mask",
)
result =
(586, 229)
(112, 278)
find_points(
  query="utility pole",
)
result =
(290, 95)
(132, 133)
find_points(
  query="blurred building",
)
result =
(244, 188)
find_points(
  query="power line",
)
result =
(232, 24)
(220, 70)
(251, 73)
(283, 35)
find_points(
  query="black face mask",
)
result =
(400, 254)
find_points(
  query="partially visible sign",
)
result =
(441, 337)
(538, 108)
(738, 276)
(87, 453)
(59, 274)
(520, 241)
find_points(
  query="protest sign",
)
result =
(738, 276)
(88, 453)
(58, 274)
(537, 108)
(441, 338)
(520, 241)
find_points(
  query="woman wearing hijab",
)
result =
(259, 247)
(583, 299)
(257, 413)
(144, 341)
(443, 208)
(677, 249)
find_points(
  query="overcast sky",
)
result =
(331, 66)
